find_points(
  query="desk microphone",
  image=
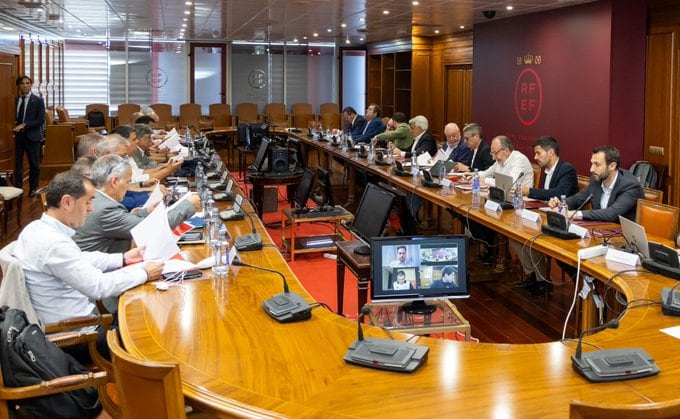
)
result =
(384, 354)
(379, 159)
(670, 305)
(558, 224)
(399, 170)
(612, 364)
(286, 307)
(583, 204)
(252, 241)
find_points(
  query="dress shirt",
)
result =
(138, 174)
(515, 164)
(61, 280)
(607, 191)
(548, 174)
(414, 145)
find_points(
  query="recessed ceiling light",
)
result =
(436, 31)
(187, 12)
(509, 7)
(347, 41)
(315, 34)
(304, 37)
(188, 3)
(415, 3)
(462, 26)
(184, 25)
(343, 25)
(329, 30)
(185, 19)
(386, 12)
(361, 39)
(295, 39)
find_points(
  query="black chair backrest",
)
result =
(645, 172)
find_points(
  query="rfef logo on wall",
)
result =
(156, 78)
(528, 91)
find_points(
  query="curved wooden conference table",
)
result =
(235, 360)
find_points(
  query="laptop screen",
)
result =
(635, 236)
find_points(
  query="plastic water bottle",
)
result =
(414, 167)
(476, 191)
(390, 152)
(442, 173)
(370, 151)
(518, 199)
(220, 249)
(563, 207)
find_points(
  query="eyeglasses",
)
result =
(493, 153)
(469, 136)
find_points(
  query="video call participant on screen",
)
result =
(402, 258)
(449, 278)
(401, 283)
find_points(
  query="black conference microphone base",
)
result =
(287, 307)
(252, 241)
(382, 163)
(614, 365)
(386, 354)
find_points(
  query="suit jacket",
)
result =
(34, 117)
(425, 143)
(562, 182)
(483, 159)
(373, 127)
(622, 201)
(357, 127)
(107, 228)
(143, 161)
(460, 154)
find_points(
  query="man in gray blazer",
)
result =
(107, 228)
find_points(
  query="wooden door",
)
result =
(8, 75)
(458, 101)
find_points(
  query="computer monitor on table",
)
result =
(371, 215)
(303, 190)
(295, 153)
(418, 268)
(636, 236)
(261, 155)
(323, 179)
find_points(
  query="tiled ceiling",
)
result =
(358, 21)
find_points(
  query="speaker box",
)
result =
(278, 159)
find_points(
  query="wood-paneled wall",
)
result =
(8, 74)
(662, 98)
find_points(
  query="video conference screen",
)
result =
(410, 268)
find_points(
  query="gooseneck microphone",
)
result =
(612, 324)
(583, 204)
(252, 241)
(365, 310)
(558, 224)
(612, 364)
(285, 307)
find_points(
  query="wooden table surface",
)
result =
(236, 360)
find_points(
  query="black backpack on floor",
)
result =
(28, 358)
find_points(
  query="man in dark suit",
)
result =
(28, 133)
(374, 125)
(454, 147)
(422, 139)
(354, 124)
(481, 151)
(560, 179)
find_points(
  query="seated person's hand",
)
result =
(153, 270)
(196, 201)
(135, 255)
(554, 202)
(164, 190)
(396, 151)
(460, 167)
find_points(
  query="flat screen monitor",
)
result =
(323, 178)
(261, 155)
(244, 135)
(258, 132)
(418, 268)
(304, 188)
(295, 153)
(371, 215)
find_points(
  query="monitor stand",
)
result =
(363, 250)
(419, 307)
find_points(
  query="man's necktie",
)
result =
(20, 115)
(366, 127)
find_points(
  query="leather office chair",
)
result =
(220, 113)
(275, 115)
(330, 116)
(653, 194)
(247, 113)
(126, 113)
(658, 219)
(663, 410)
(13, 289)
(147, 389)
(64, 117)
(190, 115)
(9, 196)
(104, 109)
(302, 114)
(165, 119)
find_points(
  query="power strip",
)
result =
(592, 252)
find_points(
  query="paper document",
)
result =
(424, 159)
(154, 233)
(155, 196)
(171, 140)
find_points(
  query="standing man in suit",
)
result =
(481, 151)
(28, 133)
(354, 124)
(374, 125)
(422, 141)
(560, 179)
(614, 191)
(456, 150)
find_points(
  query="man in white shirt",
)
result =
(509, 161)
(62, 281)
(402, 258)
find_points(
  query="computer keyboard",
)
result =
(329, 213)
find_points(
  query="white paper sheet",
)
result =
(155, 196)
(154, 233)
(672, 331)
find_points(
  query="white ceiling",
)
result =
(269, 20)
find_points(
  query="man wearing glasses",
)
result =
(509, 161)
(481, 155)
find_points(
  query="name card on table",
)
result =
(577, 229)
(492, 205)
(631, 259)
(531, 215)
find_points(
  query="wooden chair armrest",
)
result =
(57, 385)
(74, 323)
(72, 338)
